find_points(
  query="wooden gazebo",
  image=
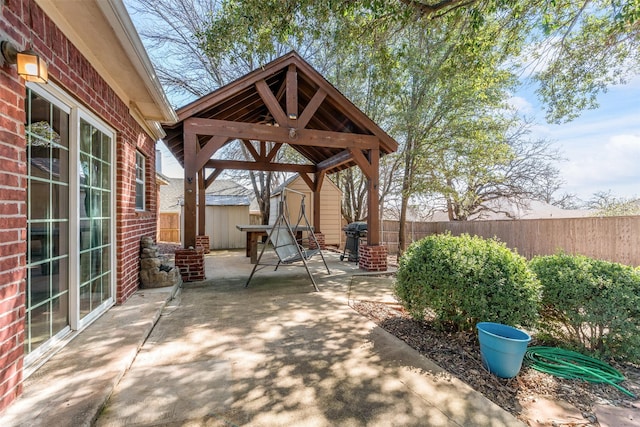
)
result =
(283, 102)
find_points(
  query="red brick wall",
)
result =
(372, 258)
(70, 70)
(12, 234)
(191, 263)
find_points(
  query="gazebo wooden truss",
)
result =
(283, 102)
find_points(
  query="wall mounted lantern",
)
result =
(30, 66)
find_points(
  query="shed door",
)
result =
(221, 224)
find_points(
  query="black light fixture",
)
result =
(30, 66)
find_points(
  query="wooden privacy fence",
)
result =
(169, 227)
(614, 239)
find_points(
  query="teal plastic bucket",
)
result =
(502, 348)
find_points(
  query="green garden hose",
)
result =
(571, 365)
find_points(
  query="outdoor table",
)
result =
(254, 232)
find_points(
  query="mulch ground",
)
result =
(459, 354)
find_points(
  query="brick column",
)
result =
(321, 241)
(373, 258)
(203, 240)
(191, 264)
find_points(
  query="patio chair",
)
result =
(285, 244)
(287, 247)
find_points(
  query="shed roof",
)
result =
(172, 195)
(218, 200)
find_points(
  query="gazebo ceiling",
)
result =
(318, 106)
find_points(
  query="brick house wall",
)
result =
(73, 72)
(12, 233)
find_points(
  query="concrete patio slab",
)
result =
(274, 354)
(72, 387)
(295, 357)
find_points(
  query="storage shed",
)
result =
(330, 207)
(222, 215)
(227, 204)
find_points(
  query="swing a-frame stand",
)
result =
(282, 238)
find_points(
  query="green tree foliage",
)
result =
(577, 48)
(464, 280)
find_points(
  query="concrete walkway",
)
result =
(273, 354)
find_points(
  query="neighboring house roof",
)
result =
(276, 191)
(103, 32)
(46, 165)
(531, 209)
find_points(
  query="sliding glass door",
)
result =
(70, 237)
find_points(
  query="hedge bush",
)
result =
(590, 304)
(465, 280)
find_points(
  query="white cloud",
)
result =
(521, 105)
(598, 166)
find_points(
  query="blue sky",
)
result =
(602, 146)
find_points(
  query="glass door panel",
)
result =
(47, 134)
(95, 211)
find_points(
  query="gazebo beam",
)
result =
(251, 149)
(274, 151)
(311, 108)
(272, 103)
(311, 137)
(209, 149)
(209, 180)
(202, 203)
(292, 96)
(365, 165)
(335, 161)
(319, 180)
(260, 166)
(312, 185)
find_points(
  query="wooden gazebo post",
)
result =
(190, 189)
(190, 259)
(373, 255)
(318, 181)
(373, 202)
(202, 239)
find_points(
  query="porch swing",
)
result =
(287, 247)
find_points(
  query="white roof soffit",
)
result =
(103, 32)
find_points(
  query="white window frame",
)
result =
(81, 114)
(141, 163)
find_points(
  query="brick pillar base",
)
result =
(191, 264)
(372, 258)
(204, 242)
(321, 242)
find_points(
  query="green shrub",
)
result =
(464, 280)
(590, 304)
